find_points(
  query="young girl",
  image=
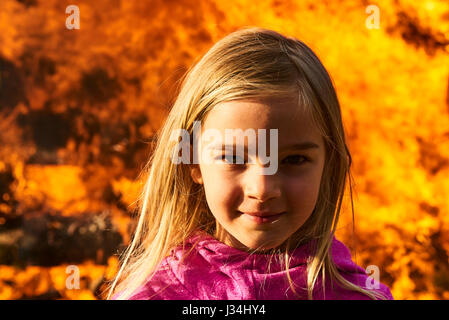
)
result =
(224, 230)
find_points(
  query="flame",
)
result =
(51, 283)
(78, 109)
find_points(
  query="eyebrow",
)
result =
(303, 146)
(297, 146)
(218, 146)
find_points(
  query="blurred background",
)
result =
(79, 109)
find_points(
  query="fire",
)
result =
(78, 110)
(35, 282)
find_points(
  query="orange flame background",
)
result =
(78, 107)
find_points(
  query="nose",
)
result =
(260, 186)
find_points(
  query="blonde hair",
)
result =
(248, 63)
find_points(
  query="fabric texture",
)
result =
(216, 271)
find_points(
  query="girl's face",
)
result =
(234, 190)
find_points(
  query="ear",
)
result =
(195, 172)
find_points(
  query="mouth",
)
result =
(262, 217)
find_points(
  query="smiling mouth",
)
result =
(261, 218)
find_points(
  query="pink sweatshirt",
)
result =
(216, 271)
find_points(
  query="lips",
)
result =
(262, 214)
(262, 217)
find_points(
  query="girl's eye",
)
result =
(231, 159)
(295, 160)
(290, 160)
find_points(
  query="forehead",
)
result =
(291, 121)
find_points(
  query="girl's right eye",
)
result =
(230, 159)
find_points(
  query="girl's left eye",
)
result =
(227, 159)
(296, 159)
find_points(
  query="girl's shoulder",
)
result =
(168, 282)
(353, 272)
(163, 285)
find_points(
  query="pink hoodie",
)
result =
(216, 271)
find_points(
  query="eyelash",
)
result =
(223, 157)
(306, 159)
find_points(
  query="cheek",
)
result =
(302, 193)
(221, 190)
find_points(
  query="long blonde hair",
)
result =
(248, 63)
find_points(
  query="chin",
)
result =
(262, 245)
